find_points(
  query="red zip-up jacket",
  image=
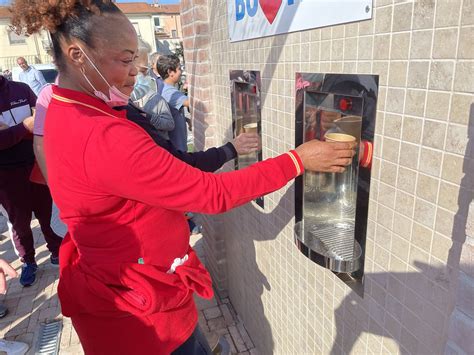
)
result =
(122, 198)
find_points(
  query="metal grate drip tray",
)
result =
(49, 337)
(336, 240)
(331, 245)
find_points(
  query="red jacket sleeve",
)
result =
(122, 160)
(13, 135)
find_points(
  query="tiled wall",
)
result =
(419, 288)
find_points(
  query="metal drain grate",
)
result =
(48, 340)
(336, 241)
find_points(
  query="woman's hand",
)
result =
(5, 268)
(326, 156)
(29, 123)
(246, 143)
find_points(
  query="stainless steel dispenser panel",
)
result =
(331, 209)
(246, 113)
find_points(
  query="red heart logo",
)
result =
(270, 8)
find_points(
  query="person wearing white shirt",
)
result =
(31, 76)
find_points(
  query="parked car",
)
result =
(49, 72)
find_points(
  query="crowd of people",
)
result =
(108, 143)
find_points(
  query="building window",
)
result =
(16, 39)
(137, 28)
(174, 33)
(156, 21)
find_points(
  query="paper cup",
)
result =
(251, 128)
(339, 137)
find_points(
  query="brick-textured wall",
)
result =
(419, 254)
(196, 37)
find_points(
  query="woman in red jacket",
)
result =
(127, 271)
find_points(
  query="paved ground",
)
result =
(30, 307)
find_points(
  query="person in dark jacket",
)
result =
(18, 195)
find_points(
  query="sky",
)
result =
(6, 2)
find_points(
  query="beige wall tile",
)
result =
(412, 129)
(350, 48)
(445, 43)
(409, 154)
(441, 246)
(421, 44)
(392, 125)
(352, 29)
(437, 105)
(466, 45)
(366, 27)
(390, 150)
(386, 195)
(400, 248)
(434, 134)
(383, 19)
(398, 74)
(457, 139)
(422, 237)
(382, 47)
(406, 180)
(314, 51)
(402, 15)
(441, 76)
(453, 168)
(404, 203)
(365, 47)
(395, 100)
(430, 162)
(464, 71)
(418, 74)
(460, 107)
(402, 225)
(425, 213)
(444, 222)
(325, 50)
(447, 13)
(427, 188)
(415, 102)
(423, 14)
(400, 46)
(337, 49)
(388, 172)
(381, 68)
(364, 68)
(448, 196)
(467, 13)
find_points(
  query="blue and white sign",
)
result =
(260, 18)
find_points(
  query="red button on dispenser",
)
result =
(345, 104)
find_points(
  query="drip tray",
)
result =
(331, 245)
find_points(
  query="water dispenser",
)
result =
(246, 113)
(331, 208)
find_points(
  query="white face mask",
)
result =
(115, 98)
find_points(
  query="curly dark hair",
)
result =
(166, 63)
(62, 18)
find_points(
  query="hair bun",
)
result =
(31, 16)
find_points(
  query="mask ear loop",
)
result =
(83, 72)
(92, 63)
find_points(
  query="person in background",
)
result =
(7, 74)
(153, 72)
(18, 195)
(146, 97)
(42, 104)
(169, 68)
(10, 347)
(31, 76)
(127, 284)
